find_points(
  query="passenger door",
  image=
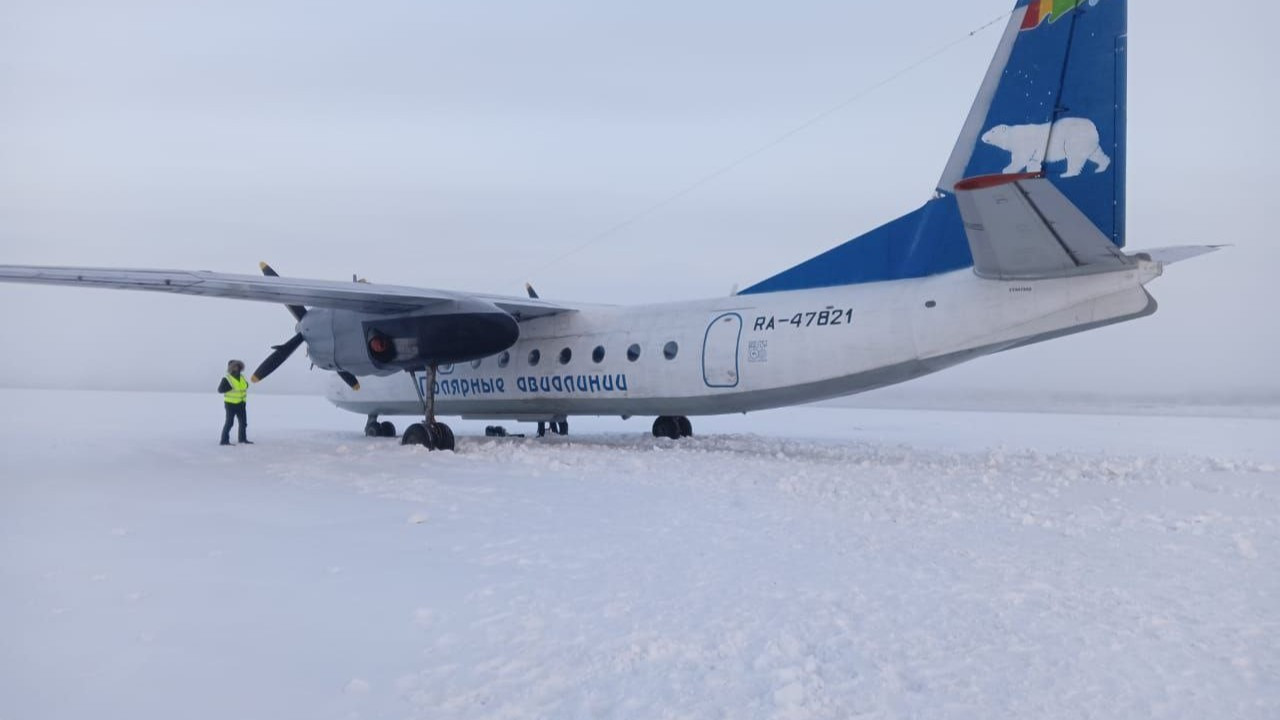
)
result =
(720, 351)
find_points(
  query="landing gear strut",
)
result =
(672, 426)
(373, 428)
(434, 435)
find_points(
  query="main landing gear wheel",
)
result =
(557, 427)
(443, 434)
(672, 426)
(415, 434)
(433, 436)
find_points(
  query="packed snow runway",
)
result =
(809, 563)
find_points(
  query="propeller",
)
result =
(297, 311)
(273, 361)
(280, 353)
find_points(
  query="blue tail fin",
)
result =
(1053, 102)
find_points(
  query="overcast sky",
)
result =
(474, 145)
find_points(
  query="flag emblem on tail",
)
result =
(1052, 10)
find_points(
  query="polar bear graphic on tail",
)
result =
(1030, 146)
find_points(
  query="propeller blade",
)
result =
(349, 379)
(282, 353)
(297, 311)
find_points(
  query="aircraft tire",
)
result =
(441, 437)
(667, 427)
(386, 429)
(415, 434)
(684, 426)
(372, 429)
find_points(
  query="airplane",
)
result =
(1021, 242)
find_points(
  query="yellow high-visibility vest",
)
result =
(239, 390)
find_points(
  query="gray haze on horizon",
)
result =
(473, 145)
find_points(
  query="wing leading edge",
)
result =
(333, 294)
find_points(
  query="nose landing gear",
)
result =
(672, 426)
(373, 428)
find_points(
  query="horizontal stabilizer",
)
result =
(1021, 227)
(1171, 255)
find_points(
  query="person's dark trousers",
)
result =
(235, 411)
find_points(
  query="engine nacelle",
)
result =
(366, 344)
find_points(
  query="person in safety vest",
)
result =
(235, 390)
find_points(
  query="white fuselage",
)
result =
(751, 352)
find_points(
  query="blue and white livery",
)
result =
(1022, 242)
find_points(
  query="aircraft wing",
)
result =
(334, 294)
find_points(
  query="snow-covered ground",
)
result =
(808, 563)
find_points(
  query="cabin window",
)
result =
(597, 355)
(931, 304)
(534, 356)
(633, 353)
(670, 350)
(565, 356)
(504, 359)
